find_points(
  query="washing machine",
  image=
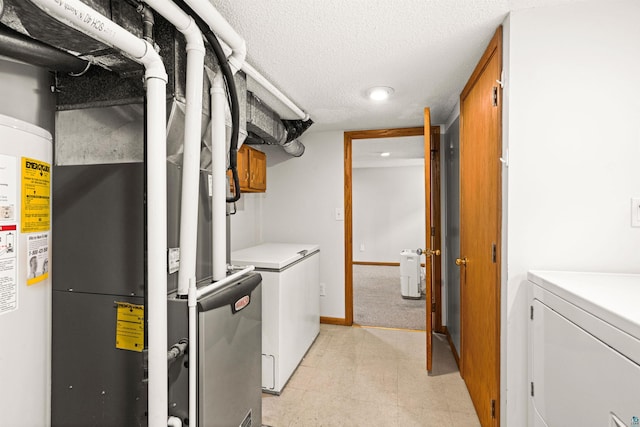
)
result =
(584, 349)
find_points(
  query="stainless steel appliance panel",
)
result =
(230, 364)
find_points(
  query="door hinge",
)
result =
(433, 307)
(501, 81)
(493, 408)
(531, 312)
(495, 96)
(433, 231)
(493, 253)
(532, 394)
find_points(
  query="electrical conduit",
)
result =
(77, 15)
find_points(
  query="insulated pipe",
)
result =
(209, 289)
(23, 48)
(219, 179)
(77, 15)
(223, 29)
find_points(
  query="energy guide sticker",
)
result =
(130, 326)
(36, 195)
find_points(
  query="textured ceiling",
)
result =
(324, 54)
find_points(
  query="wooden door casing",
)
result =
(480, 231)
(427, 237)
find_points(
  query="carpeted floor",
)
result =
(377, 300)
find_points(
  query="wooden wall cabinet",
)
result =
(252, 170)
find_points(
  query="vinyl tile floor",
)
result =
(359, 376)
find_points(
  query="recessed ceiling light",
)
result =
(385, 154)
(379, 93)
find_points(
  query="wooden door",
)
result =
(480, 224)
(427, 237)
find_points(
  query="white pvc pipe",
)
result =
(192, 132)
(218, 178)
(174, 422)
(262, 81)
(157, 251)
(223, 30)
(206, 290)
(190, 179)
(193, 354)
(77, 15)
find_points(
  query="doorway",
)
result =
(387, 219)
(349, 137)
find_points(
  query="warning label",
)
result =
(36, 195)
(130, 327)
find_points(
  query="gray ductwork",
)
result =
(18, 46)
(265, 127)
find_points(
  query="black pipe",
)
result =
(232, 93)
(23, 48)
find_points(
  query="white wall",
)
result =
(299, 206)
(573, 136)
(388, 212)
(246, 223)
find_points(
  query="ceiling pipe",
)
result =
(237, 49)
(262, 81)
(23, 48)
(190, 180)
(223, 30)
(81, 17)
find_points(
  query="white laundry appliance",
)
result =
(411, 274)
(290, 305)
(584, 347)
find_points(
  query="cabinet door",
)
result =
(258, 170)
(243, 166)
(243, 170)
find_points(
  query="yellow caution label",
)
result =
(130, 326)
(36, 195)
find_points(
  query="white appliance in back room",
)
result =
(584, 346)
(290, 305)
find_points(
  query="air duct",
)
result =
(23, 48)
(264, 126)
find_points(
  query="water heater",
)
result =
(25, 288)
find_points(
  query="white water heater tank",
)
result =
(25, 284)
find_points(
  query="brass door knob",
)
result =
(430, 252)
(462, 261)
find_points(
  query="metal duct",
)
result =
(23, 48)
(265, 127)
(81, 133)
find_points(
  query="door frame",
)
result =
(349, 136)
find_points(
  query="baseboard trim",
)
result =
(333, 321)
(387, 264)
(453, 347)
